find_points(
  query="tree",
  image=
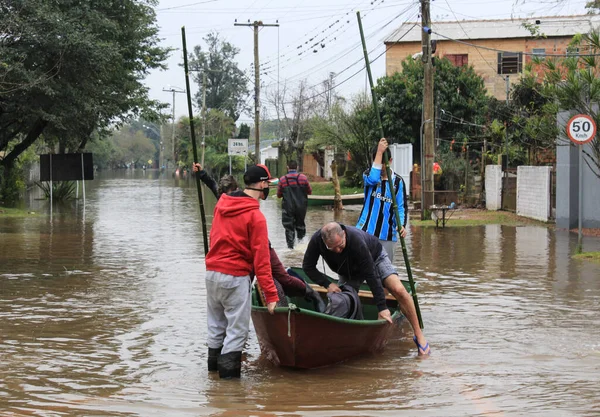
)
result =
(573, 83)
(226, 84)
(244, 132)
(460, 93)
(294, 114)
(593, 6)
(219, 128)
(349, 130)
(68, 69)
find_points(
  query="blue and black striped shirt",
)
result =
(377, 216)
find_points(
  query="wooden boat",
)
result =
(327, 200)
(298, 337)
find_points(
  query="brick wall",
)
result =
(493, 187)
(310, 166)
(484, 61)
(533, 192)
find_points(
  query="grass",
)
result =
(12, 212)
(589, 256)
(462, 218)
(326, 188)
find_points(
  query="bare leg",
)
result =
(407, 306)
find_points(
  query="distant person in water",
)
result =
(294, 189)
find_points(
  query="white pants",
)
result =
(228, 315)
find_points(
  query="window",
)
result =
(572, 51)
(510, 62)
(539, 53)
(458, 60)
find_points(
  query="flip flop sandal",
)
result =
(422, 349)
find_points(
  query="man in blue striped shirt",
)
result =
(377, 216)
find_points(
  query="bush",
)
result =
(11, 185)
(61, 190)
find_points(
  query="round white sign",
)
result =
(581, 129)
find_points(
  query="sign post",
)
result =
(237, 147)
(581, 129)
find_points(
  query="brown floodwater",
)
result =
(102, 313)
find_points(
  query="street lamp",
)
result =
(161, 146)
(173, 90)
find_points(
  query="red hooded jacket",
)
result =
(239, 242)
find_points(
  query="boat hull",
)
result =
(298, 337)
(327, 200)
(305, 339)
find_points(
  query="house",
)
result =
(495, 48)
(268, 153)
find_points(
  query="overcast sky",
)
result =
(287, 53)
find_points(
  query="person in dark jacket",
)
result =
(357, 256)
(294, 188)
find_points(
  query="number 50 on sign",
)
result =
(581, 129)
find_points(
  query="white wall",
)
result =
(533, 192)
(268, 153)
(493, 187)
(329, 155)
(402, 161)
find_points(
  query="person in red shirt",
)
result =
(291, 286)
(239, 245)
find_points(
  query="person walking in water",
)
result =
(294, 188)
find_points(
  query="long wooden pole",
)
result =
(193, 135)
(388, 171)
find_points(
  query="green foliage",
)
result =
(453, 168)
(348, 130)
(573, 83)
(460, 92)
(106, 154)
(226, 85)
(123, 147)
(244, 132)
(61, 190)
(11, 185)
(70, 68)
(12, 181)
(219, 128)
(593, 6)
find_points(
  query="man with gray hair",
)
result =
(355, 256)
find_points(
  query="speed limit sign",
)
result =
(581, 129)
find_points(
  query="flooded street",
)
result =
(102, 313)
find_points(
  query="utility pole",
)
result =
(506, 129)
(256, 24)
(173, 90)
(203, 117)
(428, 113)
(330, 94)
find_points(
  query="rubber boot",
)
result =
(213, 356)
(230, 365)
(312, 295)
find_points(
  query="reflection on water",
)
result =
(102, 312)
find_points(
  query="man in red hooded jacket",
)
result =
(239, 244)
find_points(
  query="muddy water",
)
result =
(102, 312)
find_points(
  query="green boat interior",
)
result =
(370, 311)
